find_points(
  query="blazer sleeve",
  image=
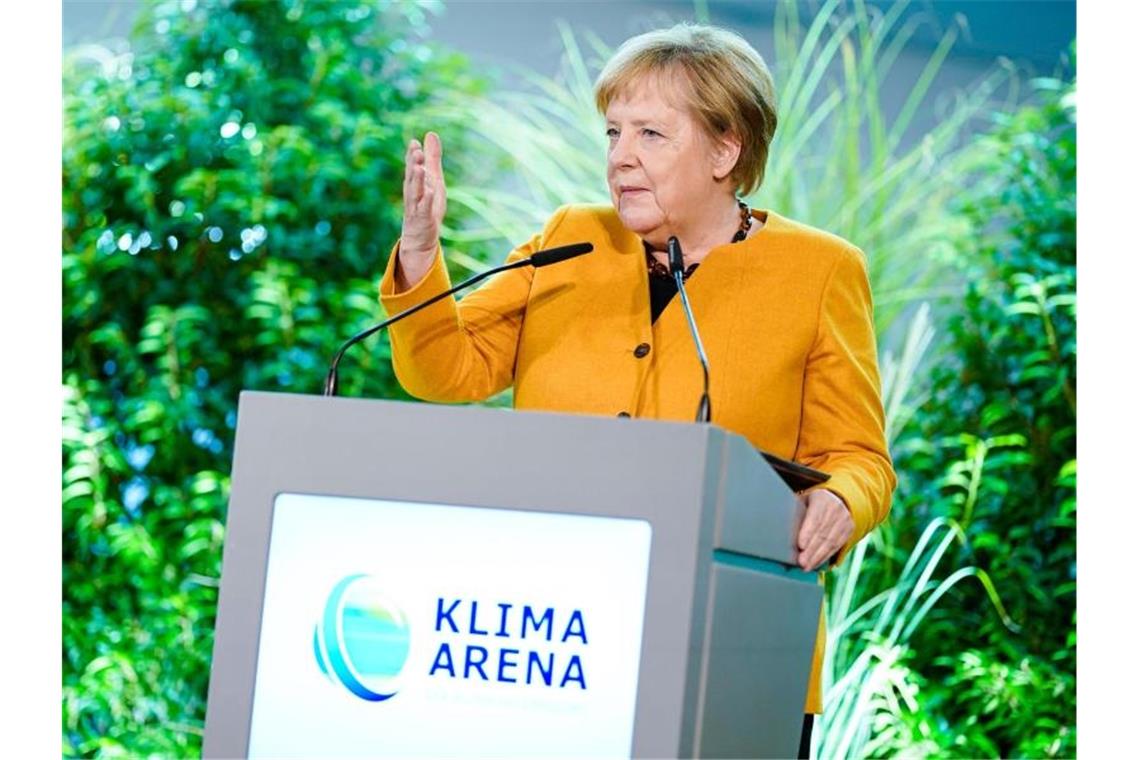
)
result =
(842, 428)
(455, 351)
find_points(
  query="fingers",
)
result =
(810, 526)
(413, 175)
(423, 172)
(810, 535)
(423, 192)
(815, 552)
(433, 155)
(433, 150)
(408, 166)
(424, 198)
(823, 545)
(826, 528)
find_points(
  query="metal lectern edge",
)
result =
(714, 470)
(758, 514)
(701, 625)
(231, 697)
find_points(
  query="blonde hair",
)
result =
(726, 86)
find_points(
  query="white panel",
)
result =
(422, 578)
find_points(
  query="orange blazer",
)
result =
(785, 317)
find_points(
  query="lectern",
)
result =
(405, 579)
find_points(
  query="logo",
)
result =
(362, 639)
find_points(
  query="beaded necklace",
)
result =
(657, 269)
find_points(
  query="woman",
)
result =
(784, 310)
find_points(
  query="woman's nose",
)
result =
(622, 153)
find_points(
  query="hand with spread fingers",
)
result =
(826, 528)
(425, 202)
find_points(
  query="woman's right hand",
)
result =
(425, 201)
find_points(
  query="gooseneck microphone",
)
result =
(538, 259)
(677, 269)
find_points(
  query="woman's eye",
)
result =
(650, 133)
(611, 133)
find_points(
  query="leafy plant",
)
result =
(549, 138)
(231, 188)
(994, 446)
(873, 691)
(844, 162)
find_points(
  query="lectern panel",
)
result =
(386, 622)
(761, 637)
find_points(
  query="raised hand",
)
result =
(425, 202)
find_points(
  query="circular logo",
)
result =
(362, 639)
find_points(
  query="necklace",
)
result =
(657, 269)
(745, 221)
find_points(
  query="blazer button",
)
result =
(623, 414)
(641, 351)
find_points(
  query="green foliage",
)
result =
(873, 692)
(994, 448)
(549, 136)
(231, 187)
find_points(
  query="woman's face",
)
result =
(663, 171)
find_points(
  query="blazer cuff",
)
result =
(435, 281)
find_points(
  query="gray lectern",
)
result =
(406, 579)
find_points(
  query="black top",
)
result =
(662, 286)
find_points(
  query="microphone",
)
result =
(538, 259)
(561, 253)
(677, 269)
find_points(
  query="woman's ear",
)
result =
(726, 151)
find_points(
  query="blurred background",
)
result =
(231, 190)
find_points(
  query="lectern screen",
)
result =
(395, 629)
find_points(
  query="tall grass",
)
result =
(867, 686)
(839, 160)
(550, 141)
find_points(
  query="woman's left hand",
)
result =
(826, 528)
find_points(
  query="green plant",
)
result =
(231, 189)
(874, 700)
(994, 446)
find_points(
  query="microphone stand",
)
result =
(677, 269)
(539, 259)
